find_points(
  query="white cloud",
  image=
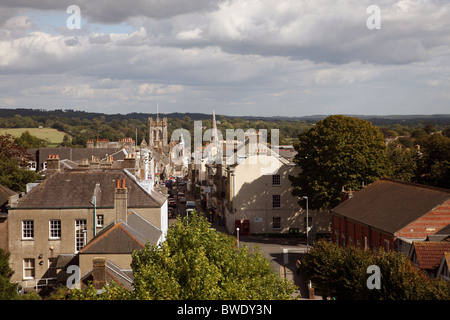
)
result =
(296, 55)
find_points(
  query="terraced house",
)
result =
(49, 226)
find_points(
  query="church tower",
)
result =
(157, 132)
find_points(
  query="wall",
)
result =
(252, 198)
(4, 234)
(21, 249)
(351, 233)
(123, 261)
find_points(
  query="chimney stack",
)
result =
(99, 272)
(120, 201)
(53, 162)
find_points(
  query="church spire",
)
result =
(214, 128)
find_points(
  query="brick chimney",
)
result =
(129, 162)
(99, 272)
(90, 144)
(120, 201)
(53, 162)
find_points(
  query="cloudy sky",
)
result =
(238, 57)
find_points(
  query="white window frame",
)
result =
(28, 229)
(101, 219)
(29, 266)
(80, 234)
(54, 226)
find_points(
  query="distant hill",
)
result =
(441, 119)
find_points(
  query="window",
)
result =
(276, 222)
(80, 234)
(100, 220)
(276, 180)
(386, 245)
(28, 268)
(28, 229)
(55, 229)
(276, 201)
(51, 267)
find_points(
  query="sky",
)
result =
(237, 57)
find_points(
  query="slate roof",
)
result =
(390, 205)
(429, 254)
(124, 237)
(76, 189)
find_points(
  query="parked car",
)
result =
(182, 200)
(181, 195)
(190, 204)
(189, 211)
(172, 203)
(170, 212)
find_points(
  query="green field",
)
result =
(54, 136)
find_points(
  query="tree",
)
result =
(434, 166)
(7, 289)
(198, 263)
(402, 162)
(343, 274)
(337, 152)
(13, 160)
(27, 140)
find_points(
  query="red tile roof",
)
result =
(429, 254)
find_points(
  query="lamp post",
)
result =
(307, 223)
(237, 233)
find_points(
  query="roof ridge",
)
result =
(99, 237)
(415, 184)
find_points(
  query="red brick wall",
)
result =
(375, 238)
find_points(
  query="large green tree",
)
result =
(434, 164)
(198, 263)
(337, 152)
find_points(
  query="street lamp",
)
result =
(307, 223)
(237, 233)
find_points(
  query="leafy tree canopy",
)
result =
(337, 152)
(343, 274)
(198, 263)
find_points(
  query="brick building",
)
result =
(390, 214)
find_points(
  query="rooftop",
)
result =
(390, 205)
(76, 189)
